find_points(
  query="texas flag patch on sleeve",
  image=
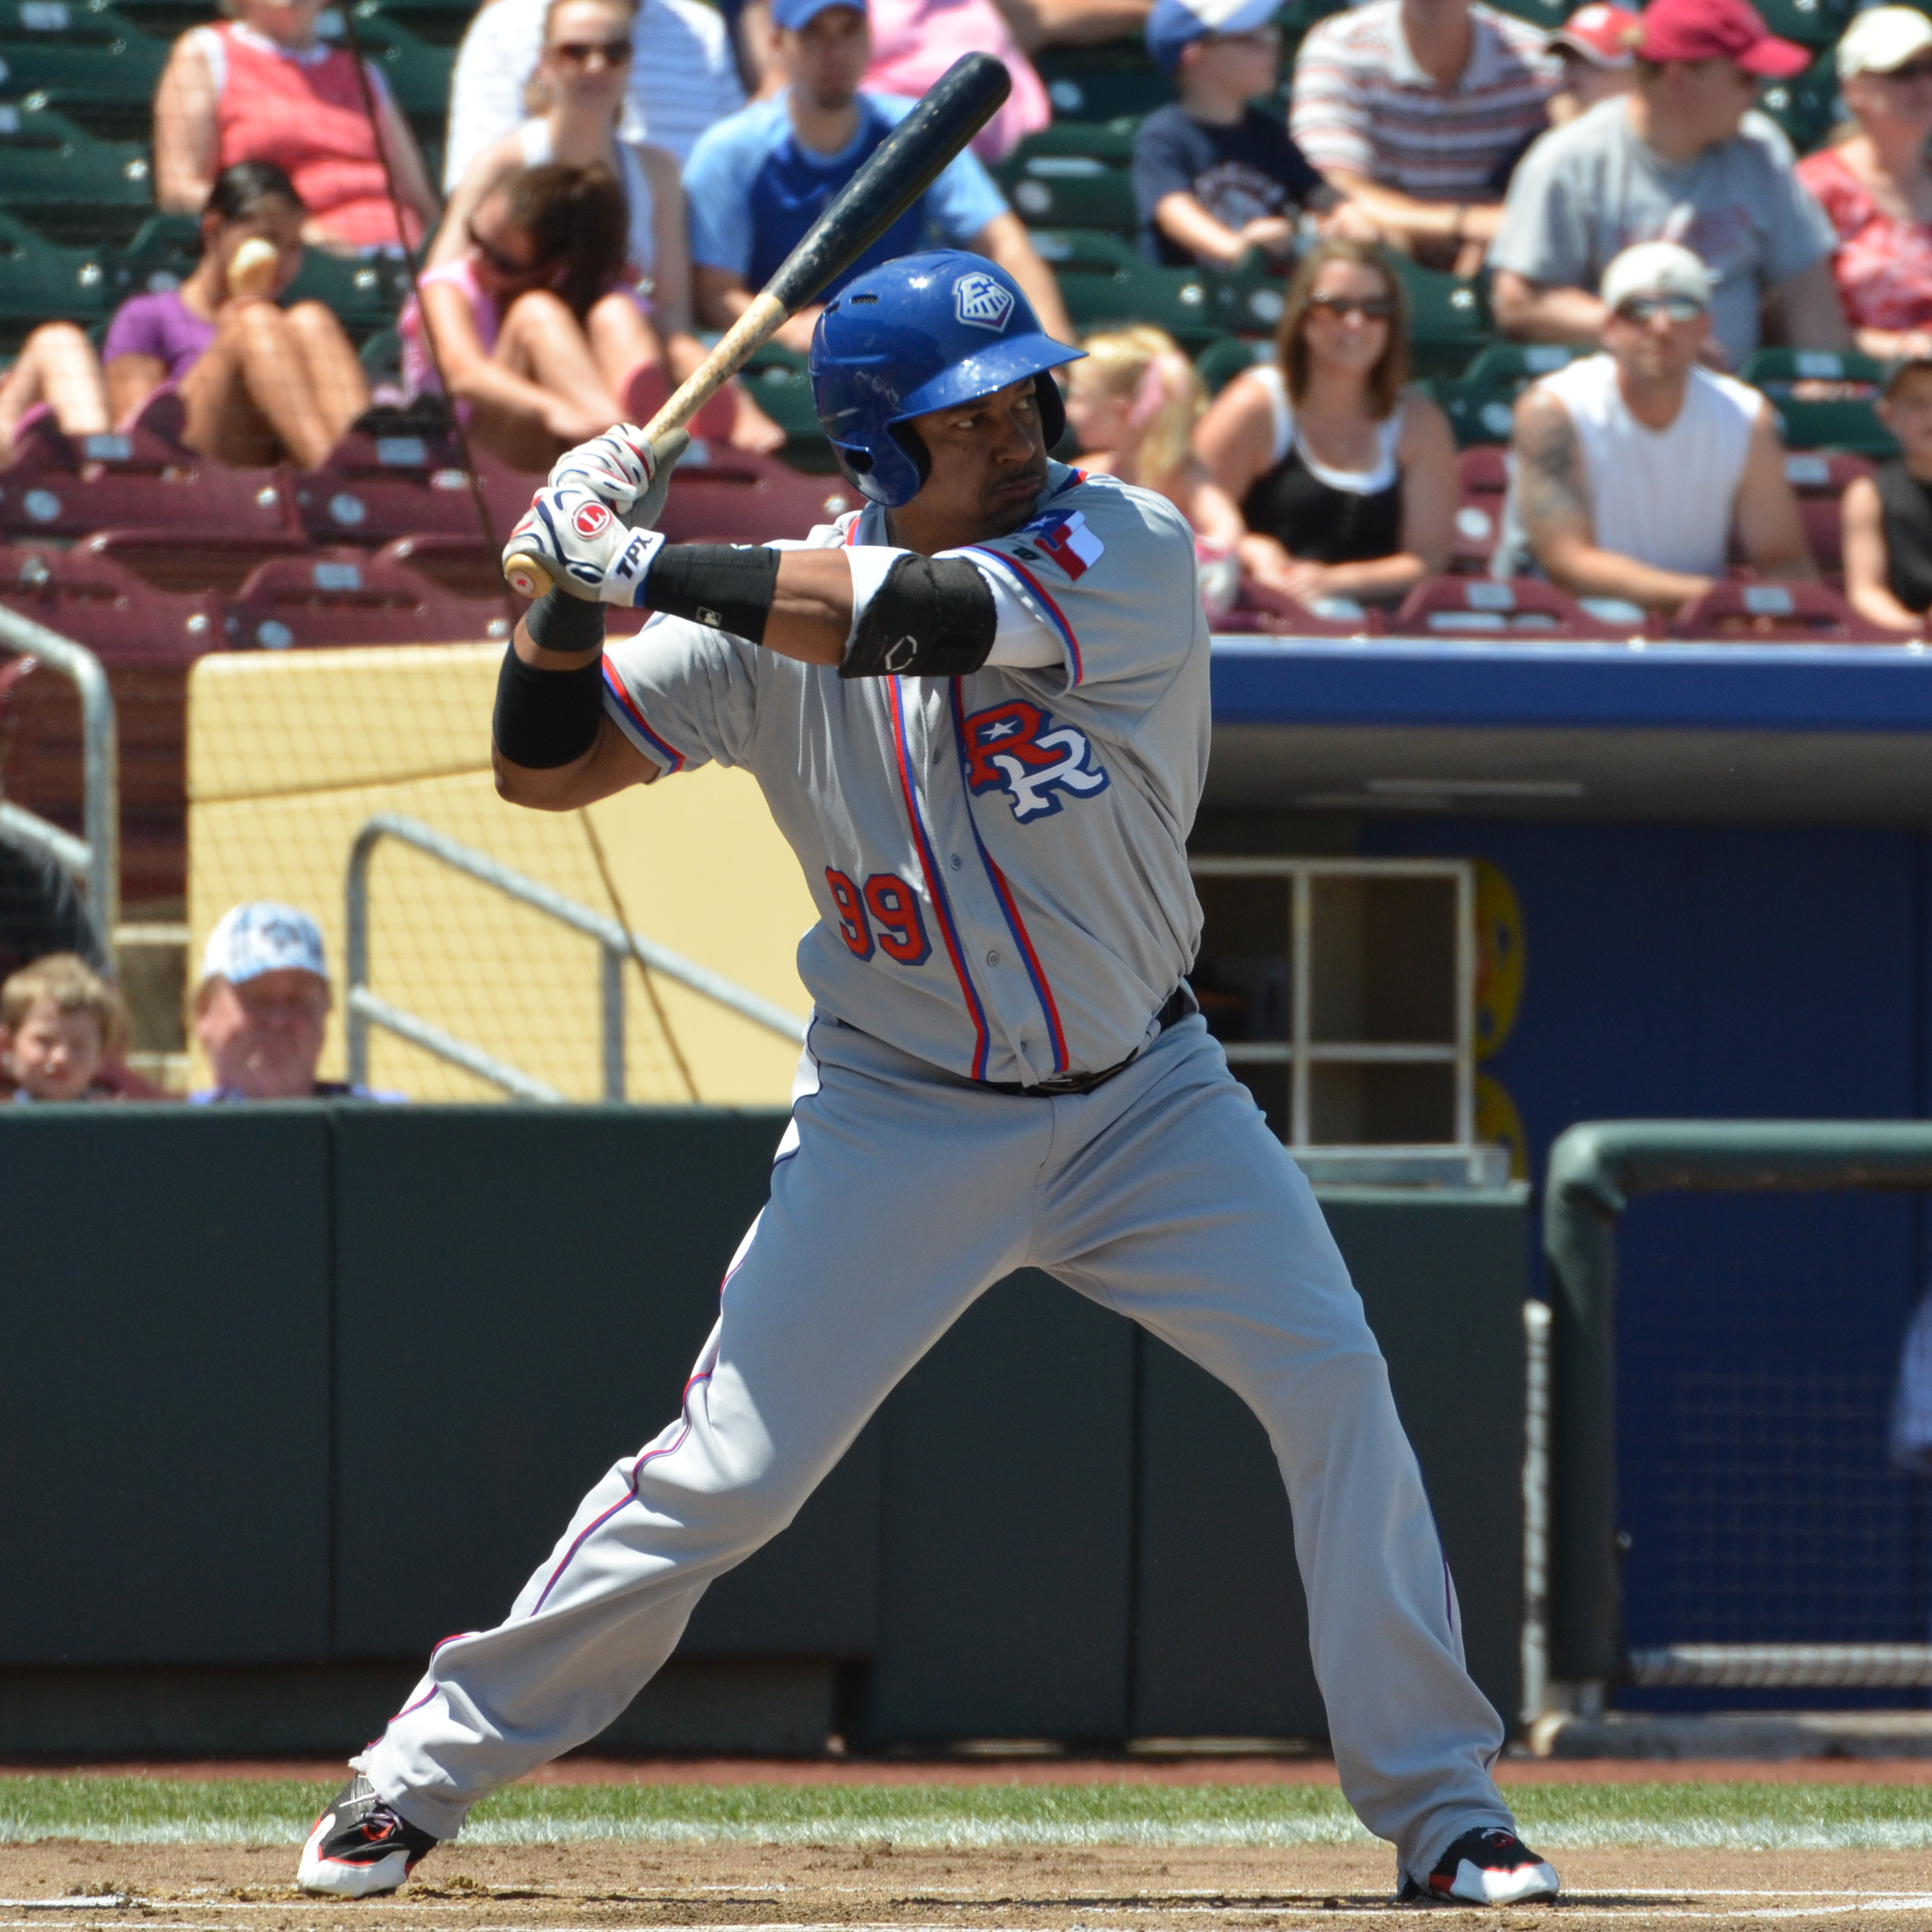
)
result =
(1063, 537)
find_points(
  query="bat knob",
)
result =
(527, 578)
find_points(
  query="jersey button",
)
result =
(953, 861)
(993, 958)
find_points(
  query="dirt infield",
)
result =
(89, 1888)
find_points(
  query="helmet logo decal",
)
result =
(981, 301)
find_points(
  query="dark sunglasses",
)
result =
(505, 265)
(1370, 308)
(576, 53)
(1917, 70)
(1678, 308)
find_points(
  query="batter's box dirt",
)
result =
(57, 1885)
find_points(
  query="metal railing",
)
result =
(95, 857)
(366, 1009)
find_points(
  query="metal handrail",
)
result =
(96, 857)
(365, 1008)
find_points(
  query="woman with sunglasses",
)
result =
(1875, 184)
(1346, 481)
(577, 93)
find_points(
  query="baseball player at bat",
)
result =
(978, 708)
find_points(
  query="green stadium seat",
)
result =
(1824, 398)
(164, 251)
(437, 23)
(1450, 318)
(1808, 108)
(1478, 412)
(40, 280)
(1521, 362)
(1547, 14)
(1219, 364)
(57, 178)
(1109, 141)
(1104, 82)
(1105, 283)
(90, 64)
(1068, 191)
(1812, 23)
(777, 379)
(418, 74)
(366, 295)
(167, 20)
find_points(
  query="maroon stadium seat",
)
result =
(170, 560)
(1524, 607)
(343, 596)
(1259, 611)
(1742, 612)
(1819, 478)
(723, 495)
(97, 600)
(1482, 476)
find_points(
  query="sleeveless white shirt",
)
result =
(1664, 496)
(533, 138)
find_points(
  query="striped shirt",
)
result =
(683, 77)
(1363, 105)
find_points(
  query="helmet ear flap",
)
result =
(1052, 408)
(910, 440)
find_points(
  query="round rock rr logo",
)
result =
(977, 298)
(591, 519)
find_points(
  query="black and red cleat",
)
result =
(1488, 1866)
(360, 1847)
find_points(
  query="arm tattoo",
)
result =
(1551, 489)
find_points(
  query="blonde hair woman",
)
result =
(577, 97)
(1346, 480)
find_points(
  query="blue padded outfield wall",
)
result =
(1766, 966)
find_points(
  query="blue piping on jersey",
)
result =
(928, 863)
(1036, 972)
(630, 717)
(1053, 610)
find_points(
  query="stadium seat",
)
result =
(39, 280)
(722, 495)
(1521, 362)
(1807, 108)
(213, 561)
(1104, 82)
(92, 597)
(1104, 283)
(436, 23)
(1112, 141)
(1736, 611)
(1524, 607)
(1260, 611)
(1451, 318)
(161, 255)
(79, 59)
(1482, 478)
(1823, 398)
(1478, 412)
(365, 294)
(1819, 477)
(1549, 14)
(416, 72)
(1068, 191)
(1221, 361)
(70, 187)
(1812, 23)
(777, 380)
(341, 597)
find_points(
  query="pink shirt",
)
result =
(1883, 266)
(915, 41)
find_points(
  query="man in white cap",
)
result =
(1633, 467)
(1213, 175)
(1876, 186)
(262, 1008)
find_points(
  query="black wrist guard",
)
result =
(932, 617)
(719, 585)
(545, 718)
(561, 623)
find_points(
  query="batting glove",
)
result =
(623, 469)
(588, 551)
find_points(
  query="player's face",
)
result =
(54, 1055)
(263, 1038)
(988, 467)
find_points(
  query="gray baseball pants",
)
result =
(1162, 1195)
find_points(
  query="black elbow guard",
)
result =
(546, 718)
(932, 617)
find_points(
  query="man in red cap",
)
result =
(1683, 159)
(1597, 46)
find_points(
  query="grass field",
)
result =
(1746, 1816)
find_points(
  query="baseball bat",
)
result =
(904, 166)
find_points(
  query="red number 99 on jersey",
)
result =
(887, 902)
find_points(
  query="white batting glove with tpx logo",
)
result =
(589, 551)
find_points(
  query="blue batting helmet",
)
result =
(922, 332)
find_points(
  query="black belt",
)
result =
(1180, 1003)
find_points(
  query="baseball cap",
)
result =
(1603, 35)
(1174, 24)
(259, 936)
(1656, 269)
(1732, 30)
(1884, 38)
(796, 13)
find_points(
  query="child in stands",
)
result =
(1888, 517)
(59, 1020)
(531, 327)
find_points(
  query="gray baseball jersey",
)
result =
(999, 861)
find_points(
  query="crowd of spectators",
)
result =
(622, 174)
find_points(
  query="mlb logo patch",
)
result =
(977, 298)
(1067, 541)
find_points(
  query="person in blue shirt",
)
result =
(756, 180)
